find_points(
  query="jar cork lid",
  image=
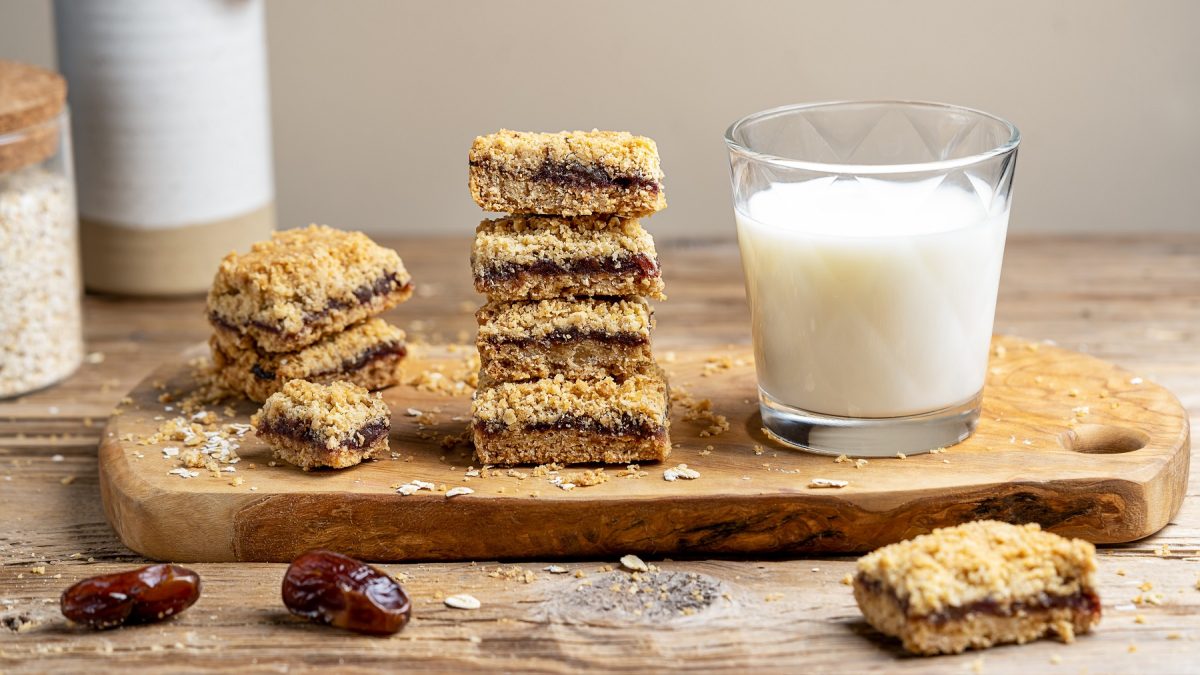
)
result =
(31, 100)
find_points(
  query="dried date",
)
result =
(145, 595)
(334, 589)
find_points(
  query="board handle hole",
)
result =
(1103, 439)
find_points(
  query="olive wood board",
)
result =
(1066, 440)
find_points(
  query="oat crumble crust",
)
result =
(368, 354)
(911, 589)
(543, 257)
(577, 338)
(578, 359)
(501, 321)
(605, 402)
(605, 421)
(982, 560)
(567, 173)
(302, 285)
(310, 424)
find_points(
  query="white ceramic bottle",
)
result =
(172, 137)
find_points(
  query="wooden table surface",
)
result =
(1133, 300)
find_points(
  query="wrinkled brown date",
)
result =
(144, 595)
(340, 591)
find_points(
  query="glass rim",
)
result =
(1014, 139)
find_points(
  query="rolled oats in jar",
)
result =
(41, 339)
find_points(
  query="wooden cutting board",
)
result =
(1066, 440)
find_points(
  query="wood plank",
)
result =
(778, 616)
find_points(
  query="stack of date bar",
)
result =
(566, 371)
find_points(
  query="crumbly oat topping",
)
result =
(977, 561)
(325, 356)
(618, 153)
(500, 321)
(548, 401)
(522, 241)
(349, 355)
(335, 413)
(281, 284)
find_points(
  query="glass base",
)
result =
(868, 437)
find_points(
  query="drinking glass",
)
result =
(871, 235)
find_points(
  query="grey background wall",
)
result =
(375, 102)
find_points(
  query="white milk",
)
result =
(870, 298)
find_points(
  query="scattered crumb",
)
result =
(586, 478)
(462, 601)
(700, 411)
(680, 471)
(634, 563)
(827, 483)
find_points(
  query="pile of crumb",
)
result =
(459, 379)
(654, 595)
(699, 411)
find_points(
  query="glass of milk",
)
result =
(872, 235)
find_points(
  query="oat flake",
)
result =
(463, 601)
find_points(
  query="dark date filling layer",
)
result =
(299, 430)
(560, 337)
(575, 175)
(1084, 602)
(385, 285)
(640, 264)
(373, 353)
(628, 426)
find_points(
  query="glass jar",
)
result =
(41, 334)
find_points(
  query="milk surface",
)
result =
(871, 298)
